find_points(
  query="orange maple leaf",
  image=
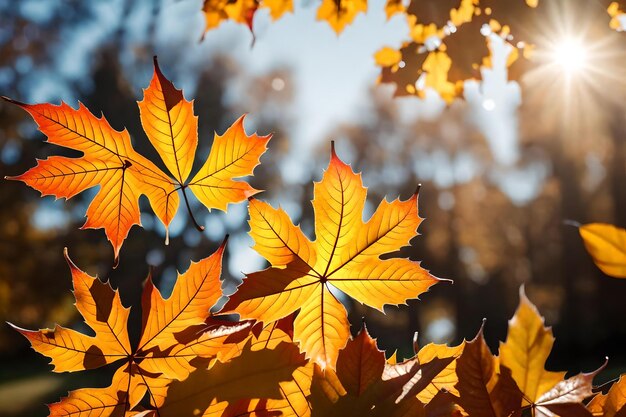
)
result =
(178, 334)
(123, 175)
(345, 256)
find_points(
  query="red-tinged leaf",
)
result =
(485, 391)
(179, 334)
(109, 161)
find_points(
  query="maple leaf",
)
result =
(345, 255)
(611, 404)
(364, 384)
(525, 352)
(178, 334)
(113, 400)
(123, 175)
(241, 11)
(607, 246)
(340, 13)
(269, 376)
(484, 389)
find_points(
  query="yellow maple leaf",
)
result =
(527, 347)
(525, 352)
(345, 256)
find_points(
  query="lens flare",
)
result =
(570, 56)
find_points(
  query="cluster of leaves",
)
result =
(189, 362)
(291, 352)
(447, 43)
(337, 13)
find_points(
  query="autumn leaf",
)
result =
(264, 379)
(344, 256)
(108, 161)
(278, 8)
(340, 13)
(484, 390)
(178, 334)
(123, 175)
(241, 11)
(364, 384)
(611, 404)
(445, 377)
(607, 246)
(525, 352)
(393, 7)
(114, 400)
(432, 72)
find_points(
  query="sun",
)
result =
(570, 56)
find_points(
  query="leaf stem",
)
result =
(193, 219)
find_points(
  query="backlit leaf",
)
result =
(525, 352)
(344, 256)
(178, 335)
(607, 246)
(122, 395)
(365, 385)
(483, 389)
(340, 13)
(109, 161)
(611, 404)
(255, 374)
